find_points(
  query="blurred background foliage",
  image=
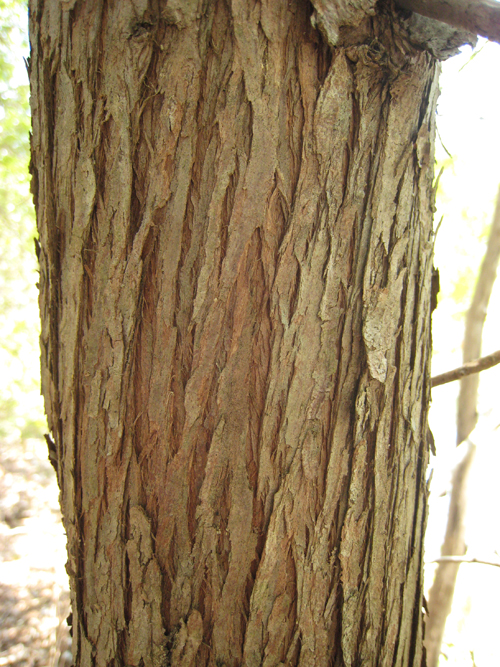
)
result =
(21, 406)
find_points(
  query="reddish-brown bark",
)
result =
(236, 234)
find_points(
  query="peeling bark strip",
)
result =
(235, 231)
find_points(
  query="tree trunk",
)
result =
(236, 250)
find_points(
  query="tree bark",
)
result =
(235, 253)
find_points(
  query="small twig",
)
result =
(463, 559)
(469, 368)
(442, 144)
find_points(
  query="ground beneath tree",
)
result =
(34, 598)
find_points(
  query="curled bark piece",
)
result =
(330, 16)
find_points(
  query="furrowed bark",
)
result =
(236, 237)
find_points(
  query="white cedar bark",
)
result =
(236, 236)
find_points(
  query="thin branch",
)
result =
(481, 17)
(469, 368)
(463, 559)
(474, 325)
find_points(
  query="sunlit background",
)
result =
(468, 147)
(21, 408)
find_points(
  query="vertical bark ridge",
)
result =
(238, 270)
